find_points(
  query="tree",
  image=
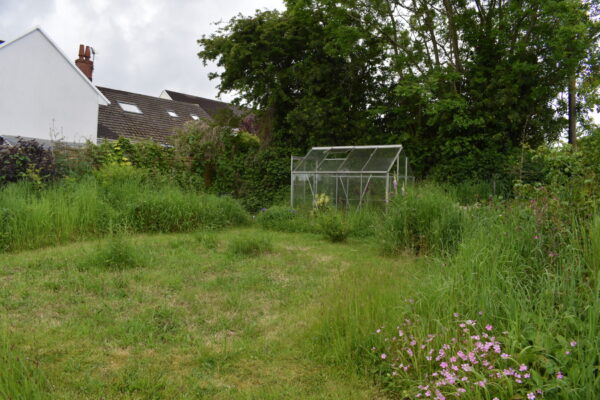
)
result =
(460, 82)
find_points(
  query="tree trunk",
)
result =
(572, 110)
(453, 36)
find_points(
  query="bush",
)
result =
(425, 220)
(334, 226)
(251, 244)
(28, 160)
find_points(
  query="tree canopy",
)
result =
(460, 82)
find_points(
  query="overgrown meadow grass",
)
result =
(498, 267)
(420, 297)
(116, 197)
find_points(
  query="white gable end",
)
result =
(43, 95)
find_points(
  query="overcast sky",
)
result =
(141, 46)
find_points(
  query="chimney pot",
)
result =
(84, 63)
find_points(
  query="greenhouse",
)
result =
(348, 176)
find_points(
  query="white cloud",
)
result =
(141, 46)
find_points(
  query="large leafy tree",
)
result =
(460, 82)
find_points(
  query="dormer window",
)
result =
(130, 107)
(172, 114)
(194, 117)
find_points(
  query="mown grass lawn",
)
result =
(194, 321)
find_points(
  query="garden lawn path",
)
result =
(192, 322)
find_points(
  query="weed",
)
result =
(334, 226)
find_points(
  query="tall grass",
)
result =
(505, 271)
(115, 196)
(425, 220)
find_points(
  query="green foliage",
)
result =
(460, 84)
(118, 195)
(251, 245)
(232, 163)
(538, 287)
(27, 160)
(334, 226)
(284, 219)
(425, 220)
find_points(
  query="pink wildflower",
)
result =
(573, 343)
(530, 396)
(383, 356)
(504, 355)
(527, 375)
(489, 327)
(567, 352)
(523, 367)
(559, 375)
(378, 331)
(444, 365)
(456, 315)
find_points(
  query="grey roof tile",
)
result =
(153, 124)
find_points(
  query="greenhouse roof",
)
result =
(349, 159)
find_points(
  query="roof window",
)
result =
(172, 114)
(194, 117)
(130, 107)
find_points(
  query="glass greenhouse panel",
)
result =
(356, 160)
(349, 176)
(382, 160)
(311, 161)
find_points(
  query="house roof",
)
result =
(101, 98)
(153, 123)
(212, 107)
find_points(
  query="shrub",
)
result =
(425, 220)
(334, 226)
(27, 160)
(250, 244)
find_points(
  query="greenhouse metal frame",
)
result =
(348, 176)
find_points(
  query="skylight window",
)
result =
(129, 107)
(172, 114)
(194, 117)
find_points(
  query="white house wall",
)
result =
(42, 96)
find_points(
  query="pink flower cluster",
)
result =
(469, 362)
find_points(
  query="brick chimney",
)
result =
(84, 62)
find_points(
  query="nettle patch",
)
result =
(473, 363)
